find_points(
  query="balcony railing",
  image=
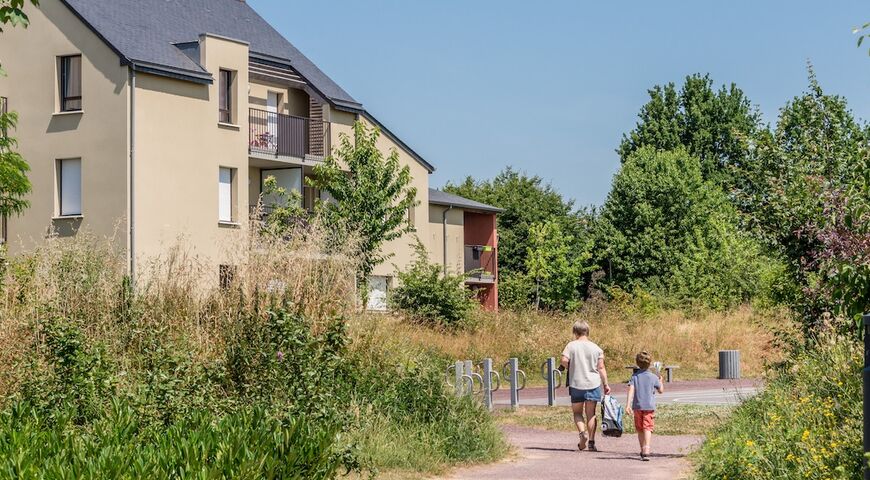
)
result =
(480, 263)
(282, 135)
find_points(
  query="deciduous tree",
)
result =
(715, 126)
(371, 195)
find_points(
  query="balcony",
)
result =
(276, 135)
(480, 263)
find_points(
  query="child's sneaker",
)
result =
(583, 439)
(592, 446)
(644, 457)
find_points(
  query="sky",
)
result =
(550, 87)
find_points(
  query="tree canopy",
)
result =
(371, 194)
(715, 126)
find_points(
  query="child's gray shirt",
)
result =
(644, 383)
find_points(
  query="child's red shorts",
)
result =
(644, 420)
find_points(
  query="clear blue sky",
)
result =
(550, 87)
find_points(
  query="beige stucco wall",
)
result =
(294, 101)
(97, 135)
(455, 237)
(401, 250)
(179, 144)
(179, 148)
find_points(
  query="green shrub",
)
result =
(408, 419)
(98, 380)
(805, 424)
(247, 444)
(428, 295)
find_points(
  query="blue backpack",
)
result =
(611, 415)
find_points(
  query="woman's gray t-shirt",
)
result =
(645, 384)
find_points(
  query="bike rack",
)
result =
(511, 373)
(487, 380)
(458, 382)
(553, 377)
(464, 378)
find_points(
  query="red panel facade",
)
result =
(480, 229)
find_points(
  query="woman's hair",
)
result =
(581, 328)
(643, 359)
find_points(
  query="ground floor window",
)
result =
(378, 289)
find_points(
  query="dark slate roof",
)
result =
(144, 33)
(151, 35)
(438, 197)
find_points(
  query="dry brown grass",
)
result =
(688, 339)
(82, 280)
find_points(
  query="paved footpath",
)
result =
(548, 455)
(542, 454)
(699, 392)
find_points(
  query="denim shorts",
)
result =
(580, 396)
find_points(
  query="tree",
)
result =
(664, 227)
(371, 195)
(558, 273)
(528, 201)
(861, 32)
(14, 184)
(817, 146)
(715, 126)
(431, 296)
(525, 200)
(843, 256)
(281, 216)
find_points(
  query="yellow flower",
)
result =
(805, 436)
(750, 443)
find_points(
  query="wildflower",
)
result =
(805, 436)
(750, 443)
(280, 355)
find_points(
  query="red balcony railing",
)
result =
(282, 135)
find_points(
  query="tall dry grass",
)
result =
(83, 280)
(688, 339)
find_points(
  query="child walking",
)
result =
(642, 401)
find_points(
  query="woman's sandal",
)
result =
(581, 445)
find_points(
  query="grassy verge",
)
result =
(805, 424)
(172, 380)
(670, 419)
(622, 328)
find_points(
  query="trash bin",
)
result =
(729, 364)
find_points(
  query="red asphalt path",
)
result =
(549, 455)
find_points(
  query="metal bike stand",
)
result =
(512, 373)
(550, 373)
(457, 384)
(488, 376)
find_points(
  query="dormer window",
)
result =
(70, 83)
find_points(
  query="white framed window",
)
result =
(378, 286)
(70, 83)
(69, 187)
(290, 179)
(226, 179)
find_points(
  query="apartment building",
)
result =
(156, 121)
